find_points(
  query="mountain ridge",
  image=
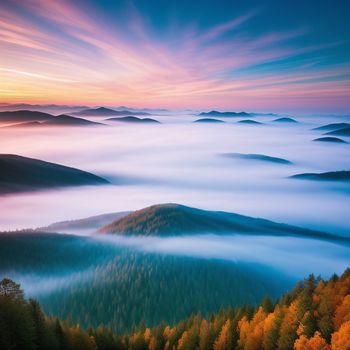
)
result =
(176, 219)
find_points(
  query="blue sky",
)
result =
(268, 55)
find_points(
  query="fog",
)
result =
(295, 257)
(179, 161)
(289, 257)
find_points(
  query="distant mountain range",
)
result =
(26, 118)
(132, 119)
(149, 110)
(103, 112)
(224, 114)
(52, 108)
(20, 174)
(175, 219)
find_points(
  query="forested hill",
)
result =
(314, 315)
(19, 174)
(175, 219)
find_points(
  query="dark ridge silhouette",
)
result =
(24, 116)
(343, 175)
(333, 126)
(61, 120)
(208, 120)
(264, 114)
(260, 157)
(224, 114)
(330, 139)
(249, 121)
(149, 110)
(340, 132)
(53, 108)
(132, 119)
(284, 120)
(27, 174)
(67, 120)
(90, 223)
(102, 111)
(176, 220)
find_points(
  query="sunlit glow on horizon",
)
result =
(63, 52)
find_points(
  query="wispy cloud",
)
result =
(36, 75)
(73, 50)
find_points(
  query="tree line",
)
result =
(315, 315)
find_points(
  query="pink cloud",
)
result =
(80, 60)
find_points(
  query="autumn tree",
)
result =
(342, 313)
(289, 325)
(224, 340)
(206, 336)
(314, 343)
(341, 338)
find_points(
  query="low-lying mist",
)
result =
(180, 161)
(295, 257)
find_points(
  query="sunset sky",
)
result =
(245, 55)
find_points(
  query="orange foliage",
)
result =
(223, 342)
(342, 313)
(183, 341)
(341, 338)
(314, 343)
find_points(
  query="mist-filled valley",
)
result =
(184, 162)
(174, 175)
(87, 253)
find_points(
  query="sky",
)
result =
(226, 55)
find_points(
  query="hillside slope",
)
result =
(26, 174)
(314, 316)
(176, 219)
(24, 116)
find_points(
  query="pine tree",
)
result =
(289, 325)
(267, 305)
(43, 335)
(59, 335)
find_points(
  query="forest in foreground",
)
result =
(315, 315)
